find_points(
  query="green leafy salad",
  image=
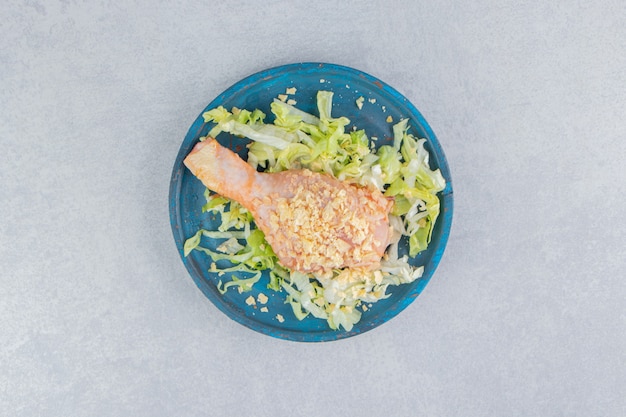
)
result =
(327, 144)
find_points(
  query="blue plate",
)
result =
(258, 91)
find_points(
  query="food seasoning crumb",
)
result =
(291, 90)
(364, 307)
(291, 102)
(322, 80)
(372, 100)
(374, 138)
(384, 108)
(347, 86)
(264, 309)
(378, 277)
(280, 318)
(359, 102)
(282, 97)
(213, 267)
(262, 298)
(389, 119)
(250, 301)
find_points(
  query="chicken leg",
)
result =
(314, 222)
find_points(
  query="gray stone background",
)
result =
(525, 316)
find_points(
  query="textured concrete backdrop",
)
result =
(525, 316)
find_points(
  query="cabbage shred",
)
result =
(298, 140)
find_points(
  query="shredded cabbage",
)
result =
(297, 140)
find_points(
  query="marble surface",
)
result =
(526, 314)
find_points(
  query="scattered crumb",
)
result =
(213, 267)
(389, 119)
(372, 100)
(374, 138)
(359, 102)
(291, 90)
(264, 309)
(280, 318)
(307, 221)
(282, 97)
(291, 102)
(384, 108)
(347, 86)
(262, 298)
(378, 277)
(364, 307)
(250, 301)
(322, 80)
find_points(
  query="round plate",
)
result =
(257, 91)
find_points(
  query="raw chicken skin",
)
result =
(314, 222)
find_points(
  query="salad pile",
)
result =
(322, 143)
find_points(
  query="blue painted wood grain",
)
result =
(258, 91)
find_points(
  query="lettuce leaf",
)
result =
(323, 143)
